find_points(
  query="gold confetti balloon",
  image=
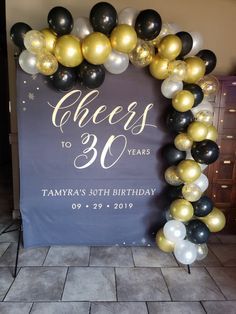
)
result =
(191, 192)
(177, 69)
(142, 54)
(50, 39)
(164, 244)
(68, 51)
(209, 84)
(96, 48)
(34, 41)
(172, 177)
(46, 63)
(123, 38)
(183, 142)
(205, 117)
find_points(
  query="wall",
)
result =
(214, 19)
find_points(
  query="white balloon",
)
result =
(27, 62)
(128, 16)
(203, 106)
(185, 252)
(82, 27)
(202, 182)
(197, 43)
(202, 251)
(117, 62)
(174, 230)
(170, 86)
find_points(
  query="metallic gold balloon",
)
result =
(159, 67)
(177, 69)
(181, 210)
(195, 69)
(205, 117)
(68, 51)
(34, 41)
(164, 244)
(50, 39)
(46, 63)
(183, 142)
(171, 176)
(209, 84)
(96, 48)
(197, 131)
(183, 101)
(188, 170)
(123, 38)
(191, 192)
(215, 221)
(170, 47)
(142, 54)
(212, 133)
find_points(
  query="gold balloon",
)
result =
(191, 192)
(34, 41)
(50, 39)
(123, 38)
(215, 221)
(46, 63)
(164, 244)
(183, 142)
(142, 54)
(209, 84)
(159, 67)
(165, 30)
(195, 69)
(197, 131)
(171, 176)
(188, 170)
(177, 69)
(68, 51)
(183, 100)
(212, 133)
(205, 117)
(96, 48)
(181, 210)
(170, 47)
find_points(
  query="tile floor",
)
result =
(115, 280)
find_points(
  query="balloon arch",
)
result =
(82, 51)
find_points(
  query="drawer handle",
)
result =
(223, 186)
(229, 136)
(233, 83)
(232, 110)
(227, 162)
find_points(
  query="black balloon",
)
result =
(173, 192)
(203, 206)
(209, 59)
(90, 75)
(205, 152)
(148, 24)
(103, 17)
(64, 78)
(18, 32)
(197, 231)
(172, 155)
(196, 91)
(60, 20)
(178, 121)
(187, 43)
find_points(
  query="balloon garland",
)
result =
(108, 42)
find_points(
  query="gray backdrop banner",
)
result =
(91, 171)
